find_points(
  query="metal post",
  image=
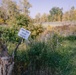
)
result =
(15, 51)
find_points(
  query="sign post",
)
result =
(24, 34)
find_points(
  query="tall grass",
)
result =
(46, 58)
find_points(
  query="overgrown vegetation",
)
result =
(52, 54)
(47, 58)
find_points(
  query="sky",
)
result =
(44, 6)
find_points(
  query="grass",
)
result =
(68, 43)
(70, 47)
(62, 60)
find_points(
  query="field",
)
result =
(51, 46)
(50, 53)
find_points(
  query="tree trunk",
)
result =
(6, 65)
(6, 61)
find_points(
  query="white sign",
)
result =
(24, 33)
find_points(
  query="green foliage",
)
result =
(13, 10)
(54, 55)
(22, 20)
(56, 14)
(9, 34)
(41, 56)
(38, 54)
(71, 37)
(35, 30)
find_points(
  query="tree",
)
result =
(24, 7)
(13, 9)
(56, 14)
(70, 15)
(37, 18)
(75, 14)
(36, 30)
(10, 10)
(66, 16)
(44, 18)
(22, 20)
(3, 15)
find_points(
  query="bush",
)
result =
(21, 20)
(45, 58)
(71, 37)
(9, 34)
(50, 57)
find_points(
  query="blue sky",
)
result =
(43, 6)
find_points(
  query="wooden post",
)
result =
(6, 66)
(6, 61)
(15, 51)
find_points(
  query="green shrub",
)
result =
(49, 57)
(46, 57)
(71, 37)
(21, 20)
(10, 34)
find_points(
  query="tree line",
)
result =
(18, 13)
(56, 14)
(13, 12)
